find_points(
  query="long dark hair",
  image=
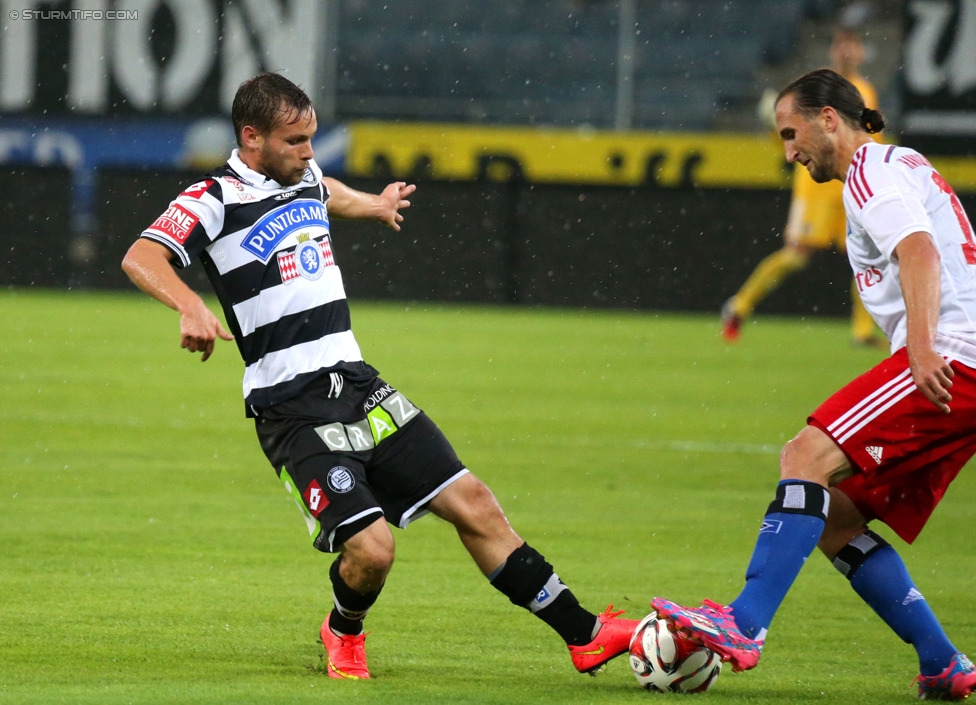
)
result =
(262, 101)
(816, 90)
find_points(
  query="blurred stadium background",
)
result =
(598, 153)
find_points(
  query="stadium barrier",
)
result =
(599, 246)
(36, 246)
(521, 243)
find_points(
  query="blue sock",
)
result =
(789, 533)
(880, 578)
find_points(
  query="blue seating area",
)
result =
(555, 61)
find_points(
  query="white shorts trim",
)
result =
(415, 512)
(356, 517)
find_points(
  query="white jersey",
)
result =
(891, 192)
(268, 252)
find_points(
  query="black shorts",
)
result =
(352, 451)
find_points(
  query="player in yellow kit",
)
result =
(816, 220)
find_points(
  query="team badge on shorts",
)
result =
(340, 479)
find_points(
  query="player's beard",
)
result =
(273, 168)
(822, 165)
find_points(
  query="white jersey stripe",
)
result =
(272, 304)
(284, 365)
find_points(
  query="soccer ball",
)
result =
(666, 661)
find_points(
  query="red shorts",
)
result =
(904, 451)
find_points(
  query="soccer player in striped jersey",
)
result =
(352, 450)
(886, 446)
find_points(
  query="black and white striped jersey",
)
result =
(268, 253)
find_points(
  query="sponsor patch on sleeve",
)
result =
(198, 189)
(176, 222)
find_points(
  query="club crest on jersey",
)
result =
(269, 232)
(308, 260)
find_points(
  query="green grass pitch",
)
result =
(148, 554)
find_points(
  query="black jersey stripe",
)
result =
(250, 280)
(263, 397)
(295, 329)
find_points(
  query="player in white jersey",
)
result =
(353, 451)
(893, 191)
(887, 445)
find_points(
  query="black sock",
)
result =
(528, 581)
(350, 606)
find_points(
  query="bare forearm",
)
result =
(921, 288)
(384, 207)
(148, 267)
(347, 202)
(920, 273)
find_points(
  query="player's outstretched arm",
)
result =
(385, 207)
(148, 265)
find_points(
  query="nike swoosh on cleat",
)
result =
(342, 673)
(595, 652)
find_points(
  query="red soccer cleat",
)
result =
(956, 682)
(731, 323)
(612, 640)
(346, 654)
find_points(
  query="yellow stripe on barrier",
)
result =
(550, 155)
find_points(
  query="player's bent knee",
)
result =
(472, 508)
(371, 551)
(366, 569)
(467, 496)
(813, 456)
(844, 523)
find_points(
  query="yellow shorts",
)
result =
(816, 219)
